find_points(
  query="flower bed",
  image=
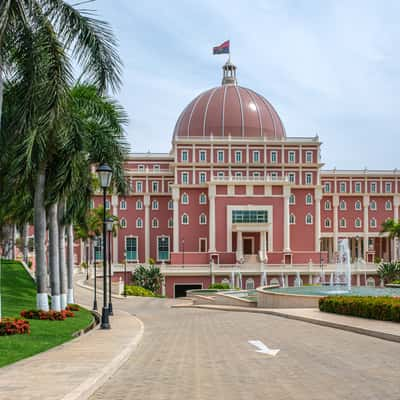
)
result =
(381, 308)
(14, 326)
(47, 315)
(73, 307)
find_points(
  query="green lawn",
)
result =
(18, 293)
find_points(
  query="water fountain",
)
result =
(264, 278)
(282, 280)
(233, 280)
(341, 281)
(297, 281)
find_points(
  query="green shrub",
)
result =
(148, 277)
(219, 286)
(381, 308)
(138, 291)
(396, 282)
(389, 271)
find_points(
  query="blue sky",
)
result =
(330, 68)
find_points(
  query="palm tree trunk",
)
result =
(61, 251)
(25, 243)
(54, 258)
(70, 264)
(42, 302)
(13, 239)
(1, 87)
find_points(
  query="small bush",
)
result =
(73, 307)
(381, 308)
(396, 282)
(47, 315)
(14, 326)
(138, 291)
(219, 286)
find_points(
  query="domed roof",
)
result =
(229, 110)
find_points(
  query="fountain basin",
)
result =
(308, 296)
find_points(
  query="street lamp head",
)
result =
(109, 224)
(104, 172)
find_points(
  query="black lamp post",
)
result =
(96, 244)
(109, 224)
(183, 253)
(105, 174)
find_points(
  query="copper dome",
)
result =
(229, 110)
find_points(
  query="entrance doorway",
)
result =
(180, 290)
(248, 245)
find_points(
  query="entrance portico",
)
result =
(251, 240)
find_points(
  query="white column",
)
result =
(146, 201)
(366, 225)
(396, 204)
(317, 221)
(175, 198)
(239, 244)
(114, 203)
(211, 199)
(335, 224)
(286, 226)
(263, 238)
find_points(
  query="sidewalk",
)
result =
(75, 369)
(380, 329)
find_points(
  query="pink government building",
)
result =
(235, 193)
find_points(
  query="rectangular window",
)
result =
(141, 167)
(250, 216)
(256, 173)
(342, 187)
(220, 156)
(274, 176)
(139, 187)
(373, 187)
(327, 187)
(155, 186)
(131, 248)
(184, 156)
(221, 174)
(309, 157)
(292, 157)
(273, 157)
(238, 173)
(292, 177)
(202, 156)
(388, 187)
(256, 156)
(308, 179)
(185, 178)
(357, 187)
(156, 167)
(163, 248)
(203, 245)
(238, 156)
(202, 177)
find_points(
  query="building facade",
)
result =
(236, 194)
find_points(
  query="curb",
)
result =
(362, 331)
(84, 286)
(88, 387)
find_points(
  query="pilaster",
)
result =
(211, 200)
(175, 199)
(286, 226)
(146, 202)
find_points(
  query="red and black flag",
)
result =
(222, 48)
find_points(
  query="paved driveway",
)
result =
(203, 354)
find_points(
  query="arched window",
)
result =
(274, 281)
(308, 199)
(185, 219)
(327, 223)
(371, 282)
(122, 205)
(154, 223)
(203, 198)
(170, 204)
(123, 223)
(170, 223)
(250, 283)
(202, 219)
(357, 205)
(328, 205)
(226, 281)
(372, 205)
(342, 222)
(292, 219)
(139, 223)
(388, 205)
(185, 198)
(342, 205)
(292, 199)
(139, 204)
(309, 219)
(107, 204)
(357, 223)
(372, 223)
(154, 204)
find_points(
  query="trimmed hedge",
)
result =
(138, 291)
(219, 286)
(381, 308)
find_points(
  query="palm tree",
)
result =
(392, 227)
(36, 38)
